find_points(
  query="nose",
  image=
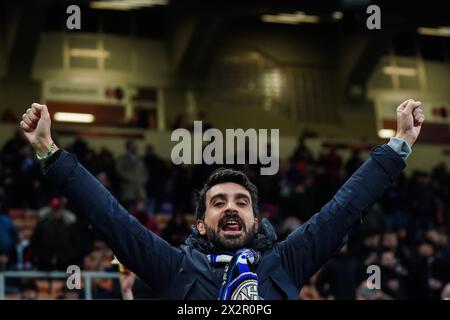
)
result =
(231, 208)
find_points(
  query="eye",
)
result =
(242, 204)
(219, 204)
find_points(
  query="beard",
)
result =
(230, 243)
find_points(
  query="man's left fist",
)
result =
(409, 120)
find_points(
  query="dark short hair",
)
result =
(224, 175)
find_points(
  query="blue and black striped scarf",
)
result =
(240, 281)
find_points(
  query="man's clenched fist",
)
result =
(409, 120)
(36, 126)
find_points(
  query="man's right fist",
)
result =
(409, 120)
(36, 124)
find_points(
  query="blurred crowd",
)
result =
(405, 234)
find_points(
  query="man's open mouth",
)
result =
(231, 226)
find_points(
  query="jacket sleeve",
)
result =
(308, 247)
(140, 250)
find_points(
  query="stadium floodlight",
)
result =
(386, 133)
(74, 117)
(439, 32)
(290, 18)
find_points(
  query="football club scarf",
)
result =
(240, 281)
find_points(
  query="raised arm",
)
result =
(147, 255)
(312, 244)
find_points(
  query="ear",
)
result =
(256, 224)
(201, 227)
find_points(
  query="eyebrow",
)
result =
(242, 196)
(223, 196)
(218, 196)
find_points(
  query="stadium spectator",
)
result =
(158, 174)
(8, 239)
(54, 243)
(393, 275)
(338, 278)
(133, 175)
(353, 163)
(58, 204)
(428, 271)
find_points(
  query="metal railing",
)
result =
(87, 276)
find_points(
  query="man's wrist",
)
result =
(44, 148)
(406, 138)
